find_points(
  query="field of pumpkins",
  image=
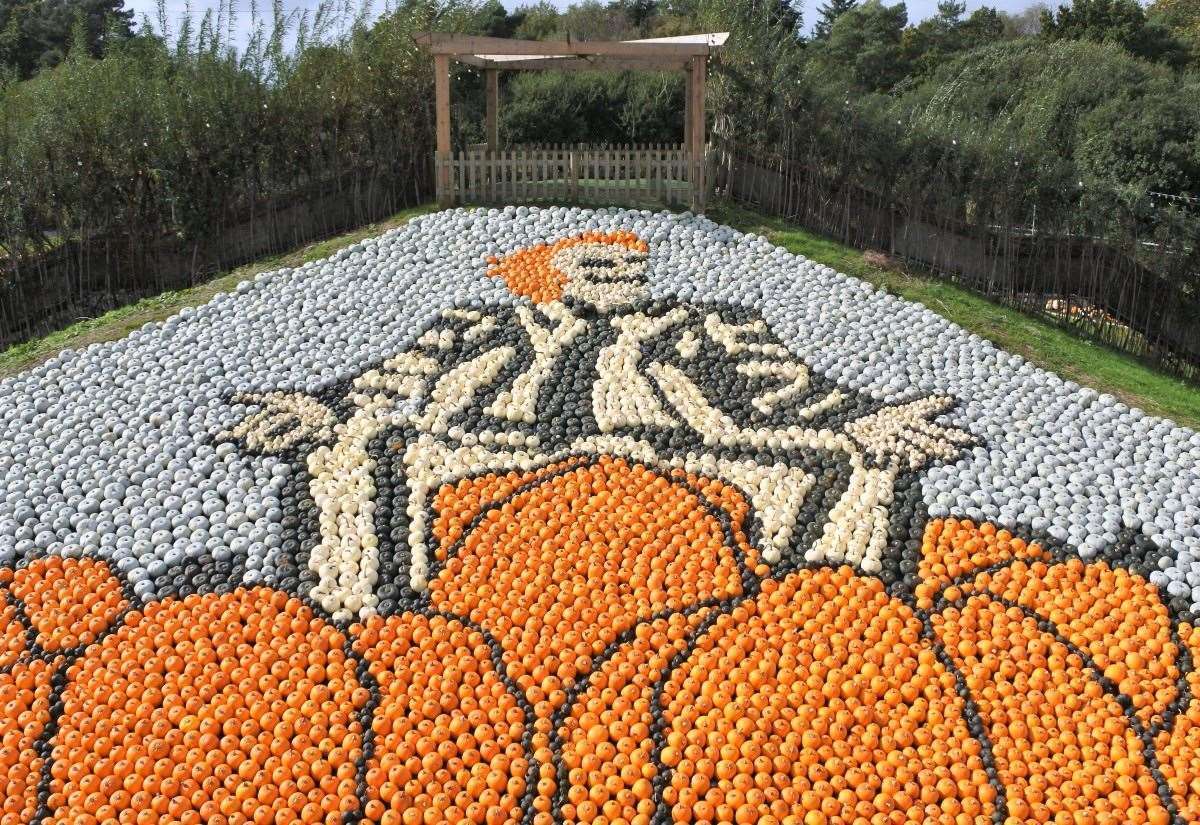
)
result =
(558, 515)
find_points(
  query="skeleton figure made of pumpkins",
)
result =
(593, 557)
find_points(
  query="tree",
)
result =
(984, 26)
(1025, 23)
(866, 46)
(1101, 21)
(495, 21)
(538, 22)
(1071, 110)
(830, 12)
(37, 34)
(1181, 18)
(592, 20)
(931, 42)
(782, 14)
(1122, 22)
(640, 13)
(949, 13)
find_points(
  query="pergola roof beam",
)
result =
(574, 64)
(458, 44)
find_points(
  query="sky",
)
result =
(917, 9)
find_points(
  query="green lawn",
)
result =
(1040, 342)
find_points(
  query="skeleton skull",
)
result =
(606, 276)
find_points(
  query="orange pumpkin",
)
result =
(49, 610)
(601, 642)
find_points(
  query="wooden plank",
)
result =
(626, 178)
(513, 177)
(583, 169)
(578, 169)
(508, 177)
(642, 164)
(533, 175)
(656, 173)
(615, 174)
(589, 173)
(498, 172)
(498, 185)
(592, 63)
(603, 172)
(479, 175)
(455, 44)
(539, 175)
(494, 178)
(680, 175)
(635, 166)
(668, 171)
(464, 163)
(522, 175)
(618, 172)
(572, 175)
(492, 120)
(441, 92)
(491, 182)
(484, 175)
(662, 156)
(664, 169)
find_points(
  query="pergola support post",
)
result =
(441, 94)
(695, 118)
(492, 84)
(529, 171)
(687, 109)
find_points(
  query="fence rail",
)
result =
(628, 174)
(1116, 287)
(85, 277)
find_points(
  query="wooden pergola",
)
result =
(517, 172)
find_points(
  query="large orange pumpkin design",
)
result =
(645, 612)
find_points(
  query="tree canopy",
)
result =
(1123, 22)
(37, 34)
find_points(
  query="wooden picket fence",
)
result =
(652, 174)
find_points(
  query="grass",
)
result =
(1039, 341)
(124, 320)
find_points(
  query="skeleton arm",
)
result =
(342, 472)
(878, 446)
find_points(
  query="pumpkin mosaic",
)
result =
(593, 555)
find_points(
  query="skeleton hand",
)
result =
(284, 420)
(904, 436)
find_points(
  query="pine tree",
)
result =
(37, 34)
(830, 11)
